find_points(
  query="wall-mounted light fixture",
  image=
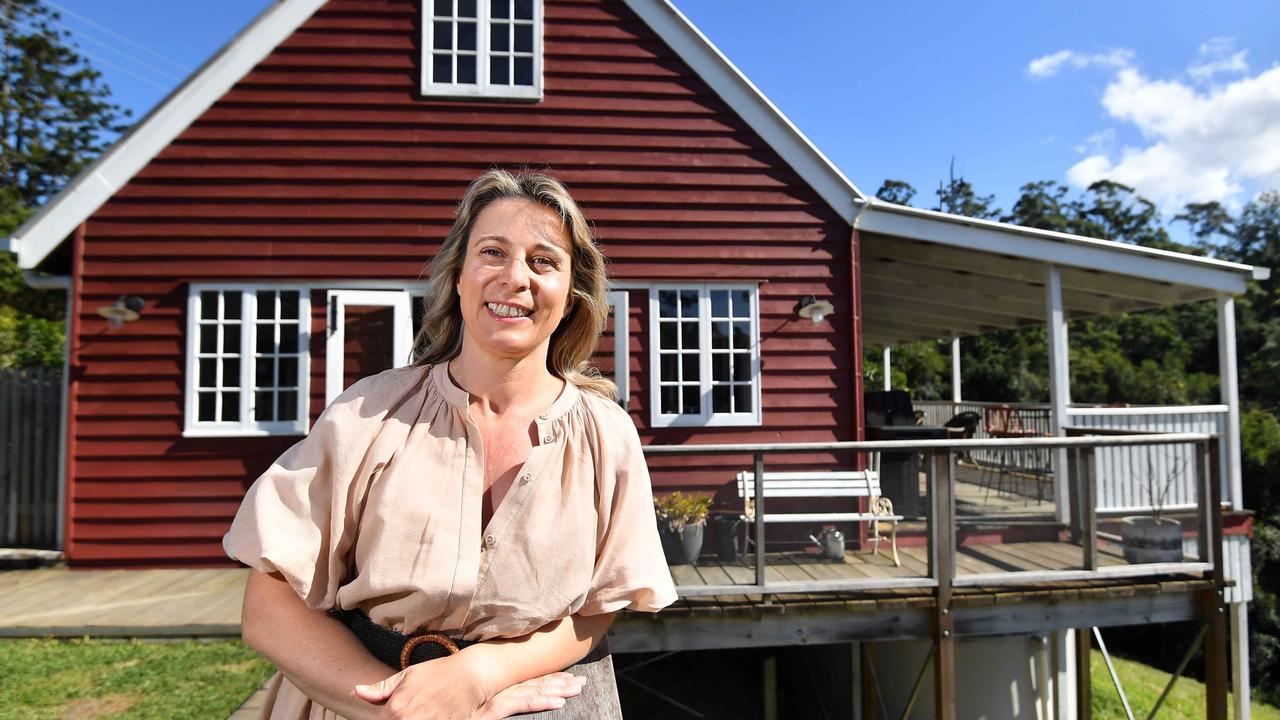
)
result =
(813, 308)
(126, 309)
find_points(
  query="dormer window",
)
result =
(482, 48)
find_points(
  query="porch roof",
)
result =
(929, 275)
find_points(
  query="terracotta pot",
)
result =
(1148, 540)
(682, 546)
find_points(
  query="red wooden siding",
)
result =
(324, 163)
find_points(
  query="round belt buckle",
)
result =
(417, 640)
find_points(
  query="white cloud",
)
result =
(1049, 65)
(1100, 142)
(1218, 55)
(1198, 143)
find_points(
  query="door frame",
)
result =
(335, 334)
(618, 305)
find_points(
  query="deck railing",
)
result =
(1123, 472)
(940, 470)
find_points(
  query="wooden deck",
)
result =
(56, 602)
(802, 618)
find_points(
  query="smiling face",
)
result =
(515, 281)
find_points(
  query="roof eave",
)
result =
(1058, 248)
(94, 185)
(740, 94)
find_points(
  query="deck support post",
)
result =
(769, 687)
(1213, 609)
(1084, 676)
(1059, 385)
(942, 564)
(888, 371)
(759, 500)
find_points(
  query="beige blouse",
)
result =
(379, 508)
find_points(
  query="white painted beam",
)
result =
(1240, 686)
(1059, 385)
(955, 370)
(1229, 392)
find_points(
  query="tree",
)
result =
(898, 192)
(957, 197)
(56, 117)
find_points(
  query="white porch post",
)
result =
(888, 381)
(1229, 390)
(955, 370)
(1059, 386)
(1238, 617)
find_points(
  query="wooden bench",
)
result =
(862, 483)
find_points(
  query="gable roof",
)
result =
(90, 189)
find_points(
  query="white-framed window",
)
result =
(248, 363)
(482, 48)
(704, 361)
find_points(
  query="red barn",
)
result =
(275, 214)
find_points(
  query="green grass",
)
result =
(1143, 685)
(137, 680)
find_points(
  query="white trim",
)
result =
(245, 426)
(707, 418)
(1229, 392)
(1059, 383)
(87, 192)
(751, 105)
(620, 302)
(1139, 410)
(336, 302)
(955, 369)
(1058, 248)
(481, 88)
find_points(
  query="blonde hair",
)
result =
(440, 338)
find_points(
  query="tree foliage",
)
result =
(56, 116)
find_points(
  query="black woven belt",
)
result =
(398, 650)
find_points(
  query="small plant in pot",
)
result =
(681, 522)
(1154, 538)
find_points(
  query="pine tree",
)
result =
(56, 116)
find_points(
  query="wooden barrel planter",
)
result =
(1151, 540)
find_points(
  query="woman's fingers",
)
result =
(547, 692)
(379, 692)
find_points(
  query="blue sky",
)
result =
(1180, 99)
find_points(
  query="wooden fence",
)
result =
(30, 434)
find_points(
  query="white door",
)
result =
(368, 332)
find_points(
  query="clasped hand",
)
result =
(450, 689)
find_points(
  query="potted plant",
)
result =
(1153, 538)
(681, 521)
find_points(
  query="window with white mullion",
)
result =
(706, 355)
(248, 361)
(219, 344)
(277, 356)
(482, 48)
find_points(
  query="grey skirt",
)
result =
(599, 698)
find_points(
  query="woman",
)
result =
(492, 492)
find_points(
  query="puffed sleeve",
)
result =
(630, 569)
(299, 517)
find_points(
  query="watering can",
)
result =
(831, 542)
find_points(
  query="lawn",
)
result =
(86, 679)
(1143, 685)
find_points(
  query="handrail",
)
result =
(941, 453)
(947, 444)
